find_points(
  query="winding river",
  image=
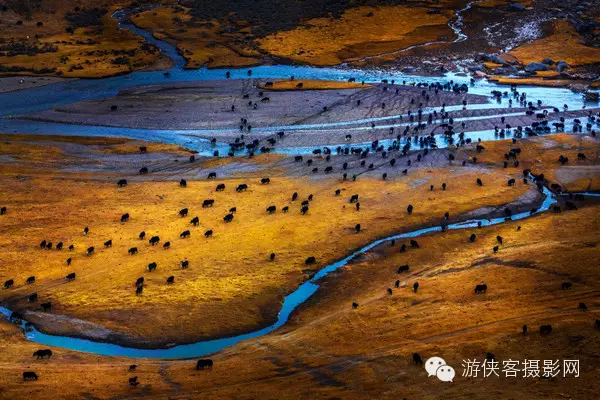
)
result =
(41, 98)
(290, 303)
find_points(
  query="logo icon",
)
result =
(436, 366)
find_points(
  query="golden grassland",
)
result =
(37, 154)
(359, 32)
(327, 349)
(563, 44)
(549, 82)
(229, 273)
(74, 51)
(201, 43)
(540, 154)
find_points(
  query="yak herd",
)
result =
(425, 142)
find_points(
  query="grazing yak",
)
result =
(2, 210)
(285, 209)
(9, 283)
(403, 268)
(233, 210)
(416, 287)
(184, 264)
(139, 281)
(139, 290)
(208, 233)
(184, 234)
(204, 364)
(265, 181)
(212, 175)
(166, 245)
(472, 237)
(30, 280)
(271, 209)
(142, 235)
(42, 353)
(195, 221)
(70, 277)
(183, 212)
(108, 243)
(220, 187)
(133, 381)
(183, 183)
(228, 218)
(409, 209)
(416, 357)
(154, 240)
(132, 251)
(310, 260)
(241, 187)
(122, 182)
(304, 210)
(30, 376)
(89, 251)
(480, 289)
(32, 298)
(208, 203)
(143, 171)
(170, 280)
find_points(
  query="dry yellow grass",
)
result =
(201, 43)
(310, 84)
(330, 350)
(563, 44)
(326, 41)
(230, 272)
(43, 154)
(74, 51)
(327, 349)
(540, 154)
(549, 82)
